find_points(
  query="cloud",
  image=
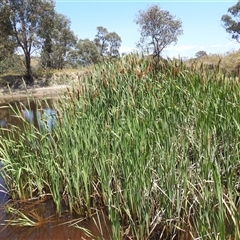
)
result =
(216, 45)
(126, 49)
(190, 50)
(181, 48)
(230, 44)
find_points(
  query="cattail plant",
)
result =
(158, 159)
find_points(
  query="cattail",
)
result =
(129, 90)
(59, 117)
(203, 82)
(78, 94)
(84, 107)
(23, 113)
(147, 87)
(117, 111)
(113, 85)
(133, 63)
(70, 94)
(72, 98)
(176, 70)
(149, 68)
(95, 94)
(122, 71)
(41, 112)
(83, 89)
(192, 67)
(138, 74)
(104, 78)
(201, 67)
(103, 73)
(155, 99)
(73, 111)
(135, 90)
(209, 140)
(105, 83)
(119, 67)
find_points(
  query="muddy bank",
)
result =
(43, 87)
(9, 95)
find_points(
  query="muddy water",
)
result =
(30, 110)
(56, 229)
(49, 226)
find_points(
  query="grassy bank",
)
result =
(155, 152)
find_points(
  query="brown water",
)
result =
(8, 114)
(50, 226)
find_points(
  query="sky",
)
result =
(201, 23)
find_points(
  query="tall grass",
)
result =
(156, 152)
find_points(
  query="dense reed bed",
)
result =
(154, 151)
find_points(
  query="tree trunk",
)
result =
(29, 75)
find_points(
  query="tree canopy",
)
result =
(114, 42)
(200, 54)
(158, 29)
(108, 43)
(33, 26)
(101, 41)
(59, 40)
(23, 18)
(87, 51)
(7, 44)
(232, 23)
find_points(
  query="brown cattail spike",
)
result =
(78, 94)
(203, 82)
(95, 94)
(59, 117)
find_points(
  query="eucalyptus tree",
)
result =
(200, 54)
(232, 23)
(23, 18)
(7, 44)
(108, 43)
(101, 41)
(114, 42)
(59, 40)
(158, 29)
(87, 52)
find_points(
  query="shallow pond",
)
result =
(50, 225)
(34, 112)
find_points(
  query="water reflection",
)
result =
(3, 192)
(3, 122)
(41, 114)
(45, 117)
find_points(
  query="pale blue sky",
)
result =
(201, 21)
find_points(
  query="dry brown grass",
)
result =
(229, 63)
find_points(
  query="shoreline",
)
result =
(19, 92)
(34, 92)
